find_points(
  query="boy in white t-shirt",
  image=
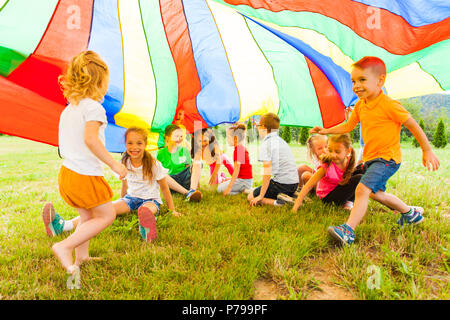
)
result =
(278, 162)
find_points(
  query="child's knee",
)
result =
(250, 196)
(306, 176)
(151, 206)
(362, 191)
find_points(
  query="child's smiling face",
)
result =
(135, 145)
(176, 137)
(319, 147)
(338, 152)
(367, 83)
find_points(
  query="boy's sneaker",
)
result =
(193, 195)
(283, 198)
(147, 224)
(248, 191)
(348, 205)
(414, 217)
(53, 223)
(342, 233)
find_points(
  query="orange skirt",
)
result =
(80, 191)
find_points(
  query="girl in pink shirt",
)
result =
(333, 179)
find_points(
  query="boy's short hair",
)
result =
(374, 63)
(169, 129)
(270, 121)
(238, 131)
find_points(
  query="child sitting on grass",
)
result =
(334, 179)
(206, 149)
(176, 158)
(140, 188)
(242, 177)
(278, 162)
(316, 146)
(381, 121)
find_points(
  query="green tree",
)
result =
(440, 138)
(286, 134)
(422, 125)
(304, 134)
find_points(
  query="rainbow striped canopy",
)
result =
(218, 61)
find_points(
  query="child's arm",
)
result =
(237, 168)
(319, 174)
(123, 191)
(196, 170)
(267, 173)
(340, 128)
(429, 159)
(212, 180)
(167, 196)
(218, 156)
(99, 150)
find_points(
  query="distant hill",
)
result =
(431, 102)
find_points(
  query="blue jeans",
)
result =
(378, 171)
(135, 203)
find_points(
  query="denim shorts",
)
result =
(134, 203)
(377, 173)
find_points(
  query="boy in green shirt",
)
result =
(177, 160)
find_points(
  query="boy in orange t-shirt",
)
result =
(381, 121)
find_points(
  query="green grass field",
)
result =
(224, 249)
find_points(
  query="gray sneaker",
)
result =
(284, 198)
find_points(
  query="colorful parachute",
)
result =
(215, 61)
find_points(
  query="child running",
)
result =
(242, 177)
(140, 189)
(82, 145)
(334, 179)
(176, 158)
(381, 120)
(278, 161)
(205, 148)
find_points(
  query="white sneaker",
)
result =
(348, 205)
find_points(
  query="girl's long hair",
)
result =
(147, 161)
(346, 140)
(84, 78)
(212, 142)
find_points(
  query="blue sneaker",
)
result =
(193, 195)
(53, 223)
(415, 217)
(342, 233)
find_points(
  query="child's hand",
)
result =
(227, 191)
(317, 130)
(430, 161)
(296, 206)
(256, 201)
(176, 214)
(120, 169)
(212, 180)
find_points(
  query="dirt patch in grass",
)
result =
(325, 288)
(266, 289)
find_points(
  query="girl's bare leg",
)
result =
(82, 251)
(102, 217)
